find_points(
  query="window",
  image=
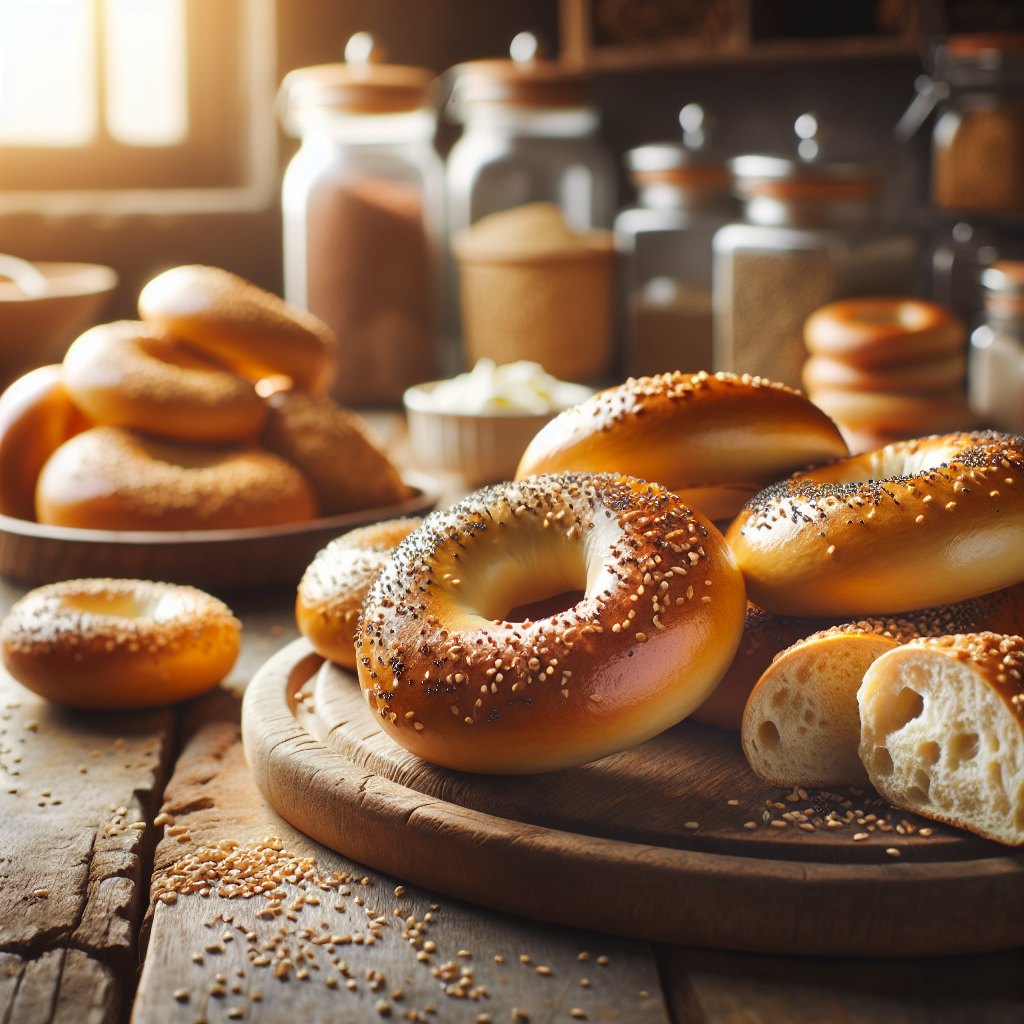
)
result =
(127, 106)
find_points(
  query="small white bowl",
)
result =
(484, 449)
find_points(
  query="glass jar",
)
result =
(363, 203)
(811, 236)
(530, 135)
(978, 139)
(995, 375)
(664, 249)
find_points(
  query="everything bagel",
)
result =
(714, 440)
(918, 522)
(658, 622)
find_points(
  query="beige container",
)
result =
(532, 289)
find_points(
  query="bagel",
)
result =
(801, 726)
(333, 449)
(460, 681)
(332, 589)
(822, 373)
(714, 440)
(129, 374)
(872, 333)
(767, 636)
(875, 412)
(942, 731)
(109, 478)
(916, 523)
(36, 418)
(119, 643)
(252, 332)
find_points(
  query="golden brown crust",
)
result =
(332, 589)
(682, 430)
(130, 374)
(938, 518)
(822, 373)
(333, 449)
(102, 643)
(112, 479)
(883, 331)
(767, 636)
(36, 418)
(251, 331)
(880, 413)
(456, 684)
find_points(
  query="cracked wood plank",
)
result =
(61, 986)
(215, 958)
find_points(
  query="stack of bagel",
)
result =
(495, 636)
(887, 368)
(208, 413)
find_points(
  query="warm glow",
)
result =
(47, 73)
(147, 71)
(49, 80)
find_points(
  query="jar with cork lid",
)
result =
(530, 135)
(811, 235)
(664, 249)
(363, 203)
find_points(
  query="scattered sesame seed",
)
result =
(893, 852)
(692, 824)
(858, 836)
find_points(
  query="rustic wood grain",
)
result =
(649, 793)
(675, 895)
(213, 795)
(708, 987)
(62, 986)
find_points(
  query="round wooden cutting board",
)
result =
(654, 842)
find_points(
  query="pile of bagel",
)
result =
(603, 596)
(209, 413)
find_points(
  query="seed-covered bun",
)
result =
(715, 440)
(919, 522)
(942, 731)
(250, 331)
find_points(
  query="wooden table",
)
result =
(81, 940)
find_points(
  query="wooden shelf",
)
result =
(725, 36)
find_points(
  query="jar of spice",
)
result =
(811, 236)
(664, 248)
(978, 139)
(530, 136)
(363, 207)
(995, 375)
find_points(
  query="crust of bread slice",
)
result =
(942, 731)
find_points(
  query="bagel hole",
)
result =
(768, 736)
(545, 607)
(126, 606)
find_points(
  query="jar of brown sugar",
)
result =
(978, 139)
(363, 204)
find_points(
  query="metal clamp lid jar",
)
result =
(363, 204)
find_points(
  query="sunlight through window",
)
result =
(146, 71)
(47, 73)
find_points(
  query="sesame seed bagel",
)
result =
(658, 622)
(130, 374)
(913, 524)
(801, 725)
(109, 478)
(942, 731)
(767, 636)
(36, 418)
(251, 331)
(333, 449)
(332, 589)
(103, 643)
(714, 440)
(884, 331)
